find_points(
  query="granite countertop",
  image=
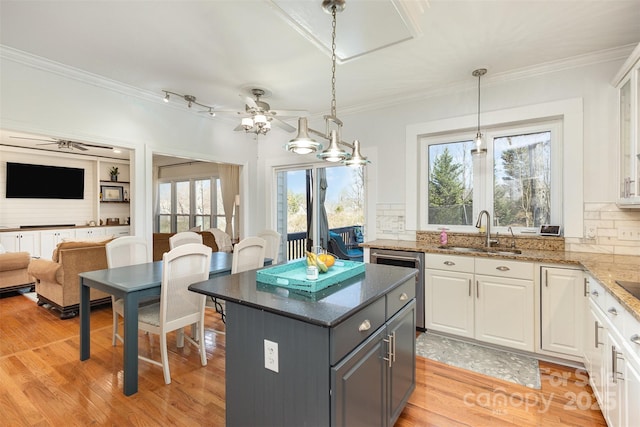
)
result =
(605, 268)
(327, 307)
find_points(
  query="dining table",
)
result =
(133, 283)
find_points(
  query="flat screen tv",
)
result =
(28, 181)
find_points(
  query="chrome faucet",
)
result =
(488, 230)
(513, 238)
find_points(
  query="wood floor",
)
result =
(43, 382)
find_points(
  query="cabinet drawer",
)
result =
(504, 268)
(614, 311)
(357, 328)
(449, 262)
(597, 293)
(397, 298)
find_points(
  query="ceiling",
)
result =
(218, 49)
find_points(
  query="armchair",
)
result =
(339, 248)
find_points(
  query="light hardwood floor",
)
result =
(43, 382)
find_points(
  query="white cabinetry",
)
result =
(562, 303)
(118, 231)
(612, 355)
(89, 233)
(505, 301)
(491, 300)
(49, 239)
(20, 241)
(448, 294)
(627, 81)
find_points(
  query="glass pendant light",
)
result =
(479, 150)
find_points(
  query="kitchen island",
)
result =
(341, 356)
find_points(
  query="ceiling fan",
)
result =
(65, 143)
(258, 116)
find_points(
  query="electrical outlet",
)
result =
(271, 355)
(590, 231)
(628, 233)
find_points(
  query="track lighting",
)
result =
(190, 100)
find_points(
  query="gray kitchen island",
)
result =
(342, 356)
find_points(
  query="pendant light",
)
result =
(303, 144)
(479, 149)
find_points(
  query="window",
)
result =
(190, 203)
(518, 181)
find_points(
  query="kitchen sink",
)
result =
(497, 251)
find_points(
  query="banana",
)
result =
(312, 259)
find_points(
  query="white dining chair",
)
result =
(178, 307)
(273, 243)
(123, 251)
(248, 254)
(184, 237)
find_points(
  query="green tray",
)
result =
(293, 275)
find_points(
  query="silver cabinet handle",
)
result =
(449, 263)
(615, 375)
(635, 339)
(613, 311)
(404, 296)
(597, 340)
(503, 268)
(595, 294)
(546, 278)
(477, 289)
(364, 326)
(586, 286)
(469, 287)
(391, 349)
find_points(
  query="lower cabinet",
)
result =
(488, 299)
(563, 292)
(49, 239)
(372, 384)
(20, 241)
(504, 312)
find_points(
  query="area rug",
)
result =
(499, 364)
(30, 295)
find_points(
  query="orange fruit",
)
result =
(329, 260)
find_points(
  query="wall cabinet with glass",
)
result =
(628, 86)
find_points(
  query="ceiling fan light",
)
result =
(333, 153)
(267, 125)
(356, 159)
(247, 123)
(260, 120)
(166, 97)
(303, 143)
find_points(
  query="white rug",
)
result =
(499, 364)
(30, 295)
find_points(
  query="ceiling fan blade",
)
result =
(78, 146)
(50, 141)
(249, 101)
(90, 145)
(239, 127)
(289, 113)
(283, 125)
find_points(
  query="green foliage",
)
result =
(447, 203)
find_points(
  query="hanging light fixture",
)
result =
(190, 100)
(479, 149)
(302, 143)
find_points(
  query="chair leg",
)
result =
(164, 356)
(180, 338)
(201, 347)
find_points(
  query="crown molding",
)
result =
(602, 56)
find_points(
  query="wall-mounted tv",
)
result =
(27, 181)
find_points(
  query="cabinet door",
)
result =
(22, 241)
(402, 373)
(449, 302)
(359, 385)
(562, 305)
(632, 406)
(596, 348)
(84, 233)
(504, 312)
(614, 369)
(49, 239)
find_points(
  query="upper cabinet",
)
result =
(627, 84)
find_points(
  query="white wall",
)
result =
(79, 107)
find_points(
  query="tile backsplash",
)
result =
(608, 229)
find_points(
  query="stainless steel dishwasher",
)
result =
(405, 259)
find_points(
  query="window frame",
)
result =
(483, 167)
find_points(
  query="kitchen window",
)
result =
(519, 181)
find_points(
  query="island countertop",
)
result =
(327, 307)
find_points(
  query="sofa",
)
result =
(13, 271)
(161, 243)
(57, 281)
